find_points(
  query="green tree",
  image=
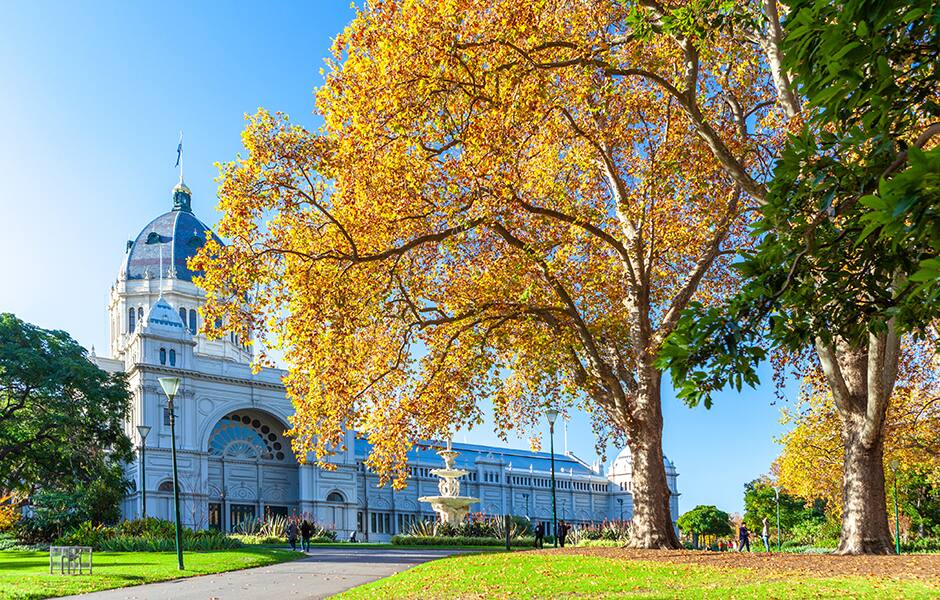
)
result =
(760, 502)
(61, 417)
(705, 520)
(835, 280)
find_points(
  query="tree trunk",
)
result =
(861, 378)
(864, 514)
(652, 519)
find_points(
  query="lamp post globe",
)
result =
(551, 414)
(170, 386)
(143, 431)
(895, 465)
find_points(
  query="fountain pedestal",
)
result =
(449, 505)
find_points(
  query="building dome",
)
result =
(624, 461)
(162, 315)
(176, 236)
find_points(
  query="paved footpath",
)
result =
(324, 572)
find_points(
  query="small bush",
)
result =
(145, 535)
(925, 544)
(421, 540)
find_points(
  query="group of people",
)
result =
(303, 527)
(563, 529)
(744, 539)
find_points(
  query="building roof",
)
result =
(176, 236)
(425, 453)
(162, 315)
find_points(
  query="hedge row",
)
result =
(428, 540)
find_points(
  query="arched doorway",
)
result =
(252, 471)
(336, 510)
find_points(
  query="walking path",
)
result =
(324, 572)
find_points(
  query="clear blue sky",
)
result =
(94, 96)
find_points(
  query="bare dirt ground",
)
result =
(924, 567)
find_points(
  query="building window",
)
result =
(192, 321)
(162, 356)
(183, 316)
(131, 320)
(359, 524)
(140, 314)
(335, 497)
(165, 486)
(166, 416)
(381, 522)
(172, 358)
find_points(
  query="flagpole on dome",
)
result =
(179, 156)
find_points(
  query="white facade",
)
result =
(234, 462)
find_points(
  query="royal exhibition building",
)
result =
(234, 461)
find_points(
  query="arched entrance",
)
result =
(252, 471)
(336, 510)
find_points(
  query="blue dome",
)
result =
(177, 235)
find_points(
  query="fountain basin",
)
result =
(448, 473)
(452, 509)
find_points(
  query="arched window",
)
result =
(140, 314)
(183, 316)
(335, 497)
(172, 358)
(165, 486)
(131, 320)
(192, 321)
(162, 356)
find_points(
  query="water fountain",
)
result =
(450, 505)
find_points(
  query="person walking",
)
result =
(305, 530)
(292, 533)
(744, 538)
(765, 535)
(539, 534)
(562, 532)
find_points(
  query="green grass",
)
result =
(25, 575)
(539, 574)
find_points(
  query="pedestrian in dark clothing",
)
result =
(305, 530)
(539, 534)
(292, 534)
(562, 533)
(744, 538)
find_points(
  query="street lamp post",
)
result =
(620, 502)
(777, 494)
(895, 464)
(143, 430)
(552, 414)
(170, 385)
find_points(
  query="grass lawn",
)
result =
(549, 574)
(26, 574)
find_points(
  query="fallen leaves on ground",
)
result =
(923, 567)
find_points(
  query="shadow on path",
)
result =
(321, 573)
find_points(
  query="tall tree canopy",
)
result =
(842, 267)
(61, 417)
(508, 200)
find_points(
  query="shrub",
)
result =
(148, 526)
(422, 540)
(925, 544)
(9, 512)
(612, 531)
(476, 526)
(144, 535)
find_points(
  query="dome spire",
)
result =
(182, 195)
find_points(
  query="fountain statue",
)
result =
(450, 505)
